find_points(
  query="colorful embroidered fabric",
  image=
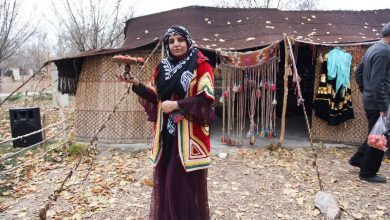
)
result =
(193, 139)
(249, 59)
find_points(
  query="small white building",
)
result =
(16, 74)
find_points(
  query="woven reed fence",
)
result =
(99, 90)
(353, 131)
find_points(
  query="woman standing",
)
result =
(180, 103)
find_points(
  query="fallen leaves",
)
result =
(130, 178)
(6, 193)
(247, 184)
(147, 182)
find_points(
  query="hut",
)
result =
(91, 75)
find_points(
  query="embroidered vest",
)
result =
(193, 139)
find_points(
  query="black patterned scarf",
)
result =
(174, 75)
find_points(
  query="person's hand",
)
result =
(169, 106)
(384, 114)
(125, 78)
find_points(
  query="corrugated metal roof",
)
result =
(237, 28)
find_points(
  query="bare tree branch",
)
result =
(13, 32)
(32, 54)
(90, 25)
(280, 4)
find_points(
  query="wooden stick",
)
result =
(233, 107)
(275, 78)
(245, 102)
(258, 98)
(228, 103)
(242, 86)
(266, 102)
(240, 109)
(44, 123)
(223, 104)
(285, 94)
(301, 102)
(262, 101)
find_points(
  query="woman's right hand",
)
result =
(125, 78)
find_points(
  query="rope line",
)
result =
(34, 132)
(54, 195)
(23, 84)
(301, 101)
(29, 147)
(34, 159)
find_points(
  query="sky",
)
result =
(41, 10)
(144, 7)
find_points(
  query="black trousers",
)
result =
(369, 158)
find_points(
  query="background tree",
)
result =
(280, 4)
(13, 32)
(32, 55)
(89, 25)
(36, 52)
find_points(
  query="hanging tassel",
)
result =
(265, 134)
(258, 93)
(223, 140)
(274, 133)
(270, 134)
(235, 88)
(273, 87)
(221, 100)
(274, 102)
(251, 83)
(229, 141)
(239, 89)
(252, 140)
(261, 134)
(225, 94)
(261, 84)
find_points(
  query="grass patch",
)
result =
(44, 96)
(6, 148)
(76, 149)
(15, 96)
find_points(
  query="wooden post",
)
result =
(25, 98)
(44, 123)
(56, 98)
(63, 117)
(285, 96)
(49, 69)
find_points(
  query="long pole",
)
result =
(301, 102)
(285, 95)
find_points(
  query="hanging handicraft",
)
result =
(249, 88)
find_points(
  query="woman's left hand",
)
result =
(169, 106)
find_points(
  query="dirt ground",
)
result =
(247, 184)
